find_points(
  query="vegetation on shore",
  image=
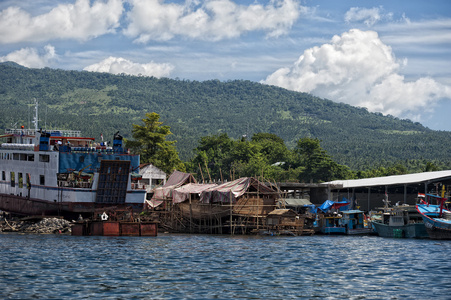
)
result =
(219, 157)
(354, 142)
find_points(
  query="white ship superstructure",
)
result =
(60, 172)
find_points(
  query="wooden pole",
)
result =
(231, 211)
(208, 172)
(190, 215)
(203, 181)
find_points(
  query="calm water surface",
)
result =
(223, 267)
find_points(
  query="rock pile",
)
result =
(47, 225)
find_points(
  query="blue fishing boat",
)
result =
(437, 219)
(348, 222)
(354, 222)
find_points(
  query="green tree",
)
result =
(150, 142)
(318, 165)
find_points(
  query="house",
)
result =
(151, 177)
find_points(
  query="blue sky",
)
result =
(392, 57)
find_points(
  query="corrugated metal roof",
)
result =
(296, 202)
(392, 180)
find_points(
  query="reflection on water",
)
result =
(223, 267)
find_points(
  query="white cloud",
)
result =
(80, 21)
(119, 65)
(211, 20)
(31, 57)
(369, 16)
(359, 69)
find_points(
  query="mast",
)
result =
(35, 118)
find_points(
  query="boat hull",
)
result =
(31, 206)
(416, 230)
(200, 211)
(333, 230)
(437, 230)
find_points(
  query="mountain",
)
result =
(98, 103)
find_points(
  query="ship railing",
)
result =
(108, 150)
(53, 132)
(138, 186)
(10, 146)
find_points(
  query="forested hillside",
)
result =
(98, 103)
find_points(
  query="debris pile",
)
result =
(46, 225)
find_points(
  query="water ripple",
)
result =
(222, 267)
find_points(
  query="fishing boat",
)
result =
(354, 222)
(59, 172)
(400, 222)
(335, 221)
(437, 219)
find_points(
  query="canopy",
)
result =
(230, 191)
(177, 179)
(182, 193)
(328, 204)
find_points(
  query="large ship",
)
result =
(59, 172)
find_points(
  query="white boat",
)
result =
(59, 172)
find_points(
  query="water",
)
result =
(223, 267)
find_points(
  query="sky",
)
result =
(391, 57)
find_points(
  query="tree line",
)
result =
(265, 155)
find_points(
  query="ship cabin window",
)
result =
(22, 156)
(44, 158)
(3, 175)
(13, 181)
(41, 179)
(28, 180)
(20, 180)
(30, 157)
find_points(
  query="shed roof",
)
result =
(296, 202)
(392, 180)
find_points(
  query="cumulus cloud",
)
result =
(31, 57)
(369, 16)
(211, 20)
(359, 69)
(119, 65)
(80, 21)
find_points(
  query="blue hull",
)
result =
(437, 228)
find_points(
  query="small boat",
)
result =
(329, 223)
(400, 222)
(350, 222)
(437, 219)
(354, 222)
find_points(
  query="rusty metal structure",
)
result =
(115, 222)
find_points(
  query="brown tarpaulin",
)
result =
(230, 191)
(177, 179)
(182, 193)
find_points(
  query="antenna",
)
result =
(35, 118)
